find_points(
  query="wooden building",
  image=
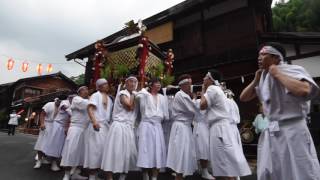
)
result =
(220, 34)
(31, 94)
(204, 34)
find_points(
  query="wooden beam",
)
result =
(302, 56)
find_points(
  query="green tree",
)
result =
(79, 80)
(297, 15)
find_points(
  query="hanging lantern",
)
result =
(25, 66)
(39, 69)
(10, 64)
(49, 68)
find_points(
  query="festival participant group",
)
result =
(151, 132)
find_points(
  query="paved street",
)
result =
(17, 160)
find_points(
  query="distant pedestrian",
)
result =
(13, 122)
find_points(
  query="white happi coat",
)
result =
(181, 151)
(14, 119)
(49, 109)
(151, 143)
(201, 133)
(73, 149)
(225, 157)
(285, 148)
(56, 138)
(95, 140)
(120, 151)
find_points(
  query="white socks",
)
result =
(122, 177)
(37, 165)
(66, 175)
(145, 176)
(206, 175)
(92, 177)
(153, 178)
(54, 166)
(73, 170)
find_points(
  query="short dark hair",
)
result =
(216, 75)
(153, 81)
(277, 46)
(184, 76)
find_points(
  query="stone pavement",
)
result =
(17, 161)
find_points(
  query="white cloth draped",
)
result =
(54, 145)
(73, 149)
(120, 151)
(181, 151)
(43, 136)
(201, 134)
(285, 148)
(95, 140)
(13, 119)
(226, 155)
(49, 109)
(151, 143)
(167, 124)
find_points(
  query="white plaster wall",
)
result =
(312, 65)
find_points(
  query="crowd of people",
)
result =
(151, 132)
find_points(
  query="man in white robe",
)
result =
(167, 124)
(73, 149)
(99, 110)
(226, 160)
(201, 136)
(153, 108)
(120, 153)
(235, 119)
(13, 122)
(54, 145)
(181, 151)
(285, 149)
(48, 114)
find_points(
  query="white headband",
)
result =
(80, 88)
(272, 50)
(100, 82)
(183, 81)
(211, 78)
(131, 77)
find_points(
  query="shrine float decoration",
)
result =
(133, 54)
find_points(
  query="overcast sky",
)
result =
(46, 30)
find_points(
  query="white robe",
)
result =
(56, 138)
(225, 158)
(151, 143)
(235, 119)
(14, 119)
(95, 140)
(167, 124)
(201, 134)
(120, 150)
(73, 149)
(286, 149)
(181, 151)
(49, 109)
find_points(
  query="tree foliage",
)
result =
(297, 15)
(79, 80)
